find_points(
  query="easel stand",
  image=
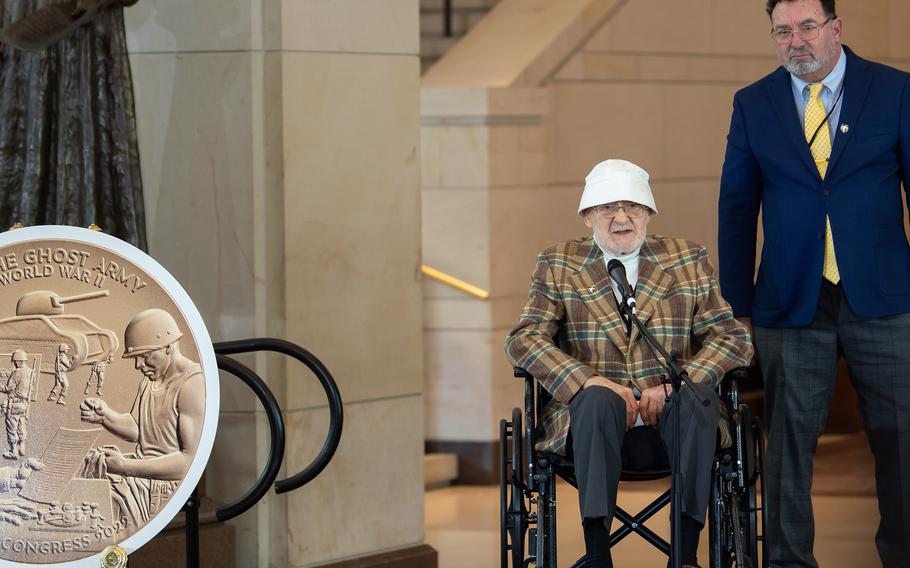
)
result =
(191, 508)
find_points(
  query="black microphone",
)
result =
(617, 272)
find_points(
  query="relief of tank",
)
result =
(40, 326)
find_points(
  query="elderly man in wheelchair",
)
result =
(607, 397)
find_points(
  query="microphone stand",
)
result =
(678, 377)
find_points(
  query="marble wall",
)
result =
(485, 160)
(353, 244)
(674, 77)
(651, 81)
(279, 145)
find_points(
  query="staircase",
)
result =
(433, 40)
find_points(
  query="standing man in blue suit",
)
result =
(821, 147)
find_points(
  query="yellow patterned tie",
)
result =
(821, 151)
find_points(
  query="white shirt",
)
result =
(629, 261)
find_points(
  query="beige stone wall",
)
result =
(279, 144)
(655, 85)
(651, 81)
(206, 107)
(352, 238)
(486, 168)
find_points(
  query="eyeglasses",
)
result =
(610, 210)
(806, 32)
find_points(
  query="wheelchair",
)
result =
(736, 517)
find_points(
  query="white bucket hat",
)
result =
(616, 180)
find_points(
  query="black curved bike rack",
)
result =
(276, 428)
(336, 413)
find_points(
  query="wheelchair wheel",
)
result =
(503, 494)
(513, 513)
(752, 516)
(719, 531)
(757, 492)
(517, 462)
(735, 509)
(747, 521)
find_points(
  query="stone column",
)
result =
(279, 145)
(352, 238)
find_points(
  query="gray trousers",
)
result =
(597, 434)
(799, 367)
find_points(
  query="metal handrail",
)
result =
(276, 442)
(276, 429)
(336, 411)
(456, 283)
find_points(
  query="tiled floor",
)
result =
(462, 523)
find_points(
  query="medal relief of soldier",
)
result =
(62, 364)
(97, 375)
(165, 421)
(18, 390)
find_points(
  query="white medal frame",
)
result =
(207, 360)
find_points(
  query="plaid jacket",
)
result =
(571, 305)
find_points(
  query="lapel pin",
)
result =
(844, 128)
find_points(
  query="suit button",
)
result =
(826, 193)
(821, 235)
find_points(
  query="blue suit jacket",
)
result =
(768, 166)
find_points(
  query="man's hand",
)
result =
(652, 403)
(624, 392)
(114, 460)
(94, 410)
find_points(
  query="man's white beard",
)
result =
(803, 68)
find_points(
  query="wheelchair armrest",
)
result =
(730, 386)
(521, 373)
(736, 375)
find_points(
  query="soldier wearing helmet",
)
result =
(62, 364)
(19, 392)
(165, 421)
(97, 374)
(149, 331)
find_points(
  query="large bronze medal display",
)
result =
(108, 395)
